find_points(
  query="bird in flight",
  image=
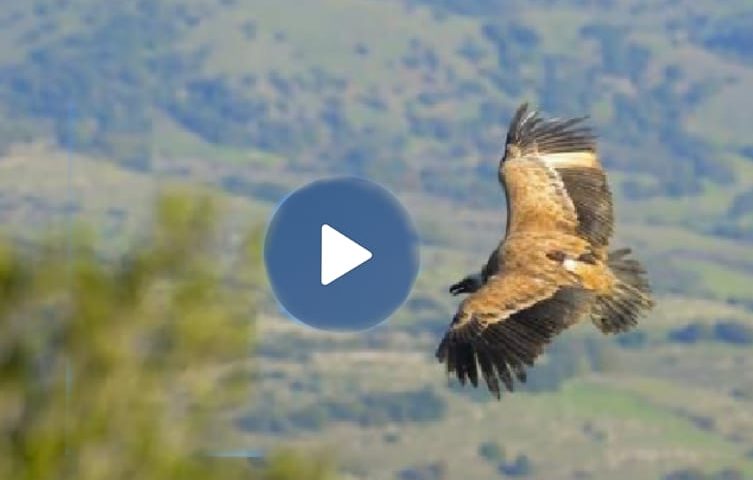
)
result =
(553, 267)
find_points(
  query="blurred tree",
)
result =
(113, 369)
(521, 467)
(685, 474)
(634, 339)
(491, 451)
(733, 332)
(691, 333)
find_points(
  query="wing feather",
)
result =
(537, 197)
(553, 178)
(589, 191)
(532, 134)
(501, 342)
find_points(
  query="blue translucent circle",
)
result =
(364, 212)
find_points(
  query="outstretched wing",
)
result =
(554, 183)
(553, 178)
(505, 325)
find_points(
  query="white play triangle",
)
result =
(340, 254)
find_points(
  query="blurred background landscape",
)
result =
(104, 106)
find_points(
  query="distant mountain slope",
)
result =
(294, 77)
(413, 93)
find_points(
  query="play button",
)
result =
(341, 254)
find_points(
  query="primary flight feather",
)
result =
(553, 267)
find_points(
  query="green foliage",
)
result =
(738, 223)
(725, 331)
(371, 409)
(432, 471)
(117, 368)
(730, 35)
(491, 451)
(95, 88)
(697, 474)
(106, 84)
(732, 332)
(633, 339)
(520, 467)
(289, 465)
(691, 333)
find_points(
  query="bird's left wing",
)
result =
(503, 327)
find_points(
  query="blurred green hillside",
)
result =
(119, 367)
(252, 98)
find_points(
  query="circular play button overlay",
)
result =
(341, 254)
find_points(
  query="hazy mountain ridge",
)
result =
(403, 92)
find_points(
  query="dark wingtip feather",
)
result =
(528, 131)
(517, 122)
(441, 353)
(500, 351)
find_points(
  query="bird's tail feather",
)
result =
(629, 298)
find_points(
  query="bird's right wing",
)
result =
(554, 184)
(505, 325)
(553, 178)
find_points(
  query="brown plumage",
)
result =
(552, 268)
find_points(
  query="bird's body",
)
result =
(553, 267)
